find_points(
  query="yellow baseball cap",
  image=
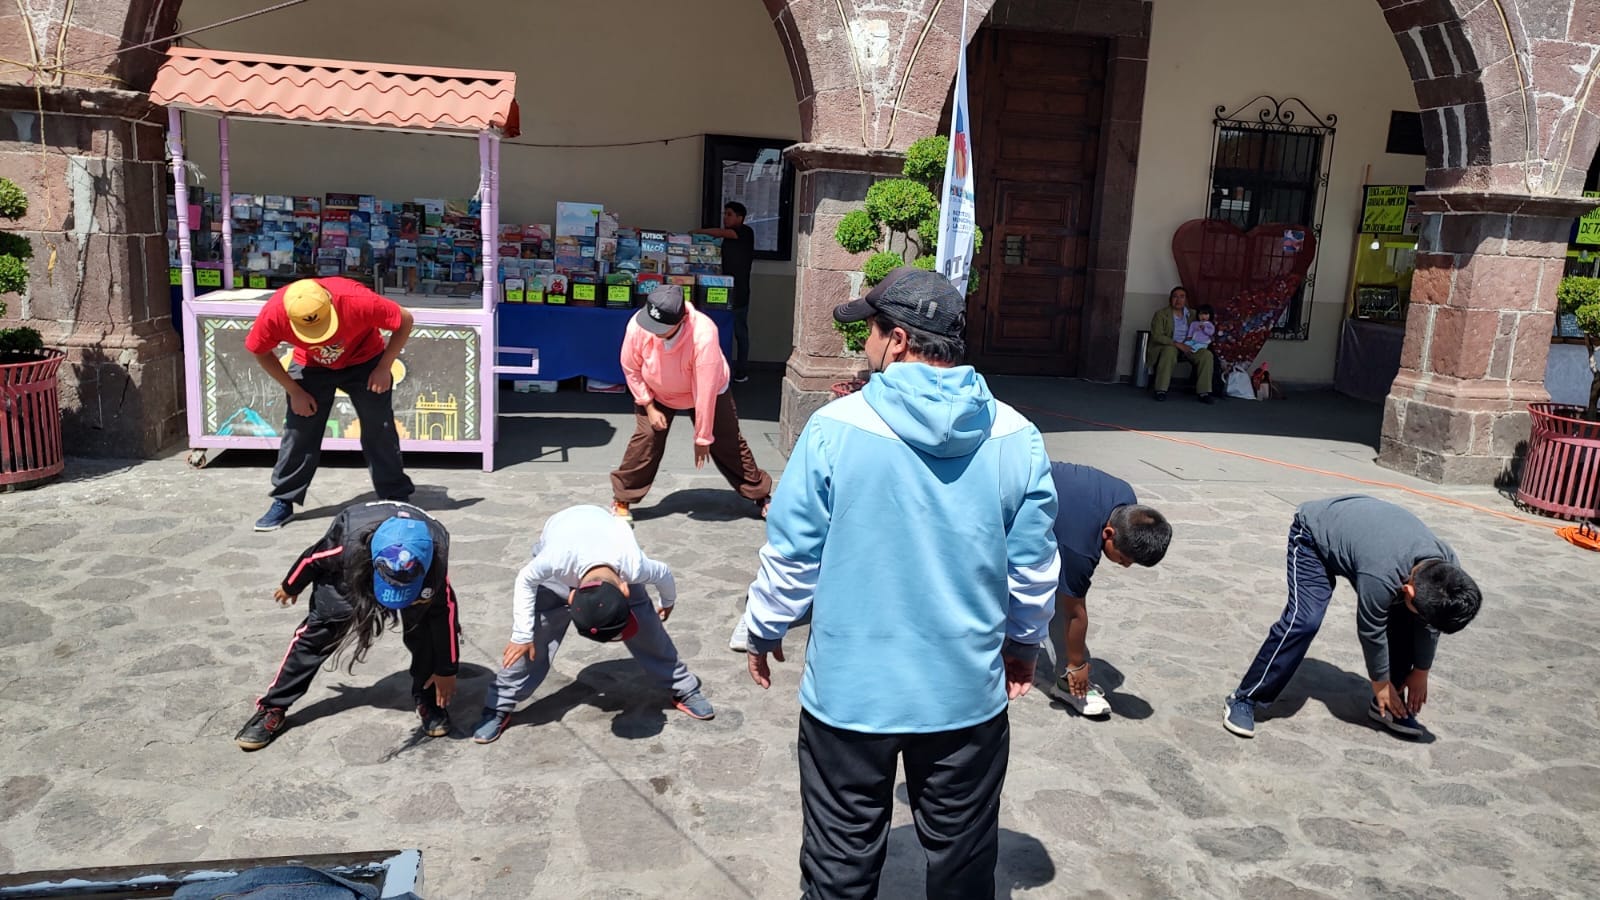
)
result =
(310, 309)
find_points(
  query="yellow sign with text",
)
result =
(1384, 211)
(1589, 225)
(208, 278)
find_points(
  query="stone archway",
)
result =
(1510, 120)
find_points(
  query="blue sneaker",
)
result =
(277, 517)
(1241, 716)
(1407, 726)
(491, 727)
(695, 705)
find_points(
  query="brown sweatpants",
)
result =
(632, 480)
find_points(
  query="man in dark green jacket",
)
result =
(1168, 329)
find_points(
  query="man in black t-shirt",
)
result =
(1098, 516)
(738, 252)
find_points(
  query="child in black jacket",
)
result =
(379, 563)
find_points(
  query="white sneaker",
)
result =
(1093, 704)
(737, 640)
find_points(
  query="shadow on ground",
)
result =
(429, 498)
(699, 504)
(614, 685)
(392, 691)
(1024, 863)
(1124, 705)
(1345, 694)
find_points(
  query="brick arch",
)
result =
(1506, 89)
(1496, 80)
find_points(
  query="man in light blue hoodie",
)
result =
(914, 523)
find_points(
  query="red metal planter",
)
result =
(1561, 473)
(30, 420)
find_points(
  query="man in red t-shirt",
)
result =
(333, 324)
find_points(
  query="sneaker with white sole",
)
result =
(1239, 716)
(621, 511)
(1406, 726)
(739, 640)
(1092, 704)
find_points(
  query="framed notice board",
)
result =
(436, 387)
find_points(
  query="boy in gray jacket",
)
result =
(1409, 588)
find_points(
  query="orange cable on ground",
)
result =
(1524, 520)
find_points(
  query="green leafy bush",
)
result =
(13, 203)
(14, 250)
(1575, 292)
(855, 335)
(905, 205)
(899, 203)
(925, 160)
(879, 265)
(1580, 296)
(857, 232)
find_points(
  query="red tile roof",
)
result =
(337, 92)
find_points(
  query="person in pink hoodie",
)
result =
(674, 364)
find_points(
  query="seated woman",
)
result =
(1169, 332)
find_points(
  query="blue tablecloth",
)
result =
(579, 340)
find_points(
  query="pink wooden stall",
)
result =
(342, 94)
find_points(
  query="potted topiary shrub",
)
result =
(899, 225)
(1561, 473)
(1579, 297)
(30, 412)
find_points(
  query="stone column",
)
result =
(94, 176)
(832, 182)
(1477, 333)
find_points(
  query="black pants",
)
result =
(847, 797)
(326, 622)
(741, 339)
(300, 448)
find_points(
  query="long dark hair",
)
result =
(368, 618)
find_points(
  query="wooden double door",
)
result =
(1037, 103)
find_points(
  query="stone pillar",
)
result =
(98, 284)
(1477, 333)
(832, 182)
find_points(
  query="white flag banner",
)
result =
(957, 204)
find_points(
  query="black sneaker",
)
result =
(435, 720)
(1161, 396)
(266, 724)
(1207, 398)
(740, 378)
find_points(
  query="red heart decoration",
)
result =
(1242, 275)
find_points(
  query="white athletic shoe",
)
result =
(737, 640)
(1092, 705)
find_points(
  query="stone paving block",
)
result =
(135, 640)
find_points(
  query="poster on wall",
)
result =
(1589, 225)
(754, 172)
(1384, 211)
(435, 386)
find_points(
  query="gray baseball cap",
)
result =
(662, 310)
(916, 297)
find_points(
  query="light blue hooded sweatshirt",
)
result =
(914, 521)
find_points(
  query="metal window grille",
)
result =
(1268, 167)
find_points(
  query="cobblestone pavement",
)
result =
(138, 628)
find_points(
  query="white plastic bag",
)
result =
(1238, 384)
